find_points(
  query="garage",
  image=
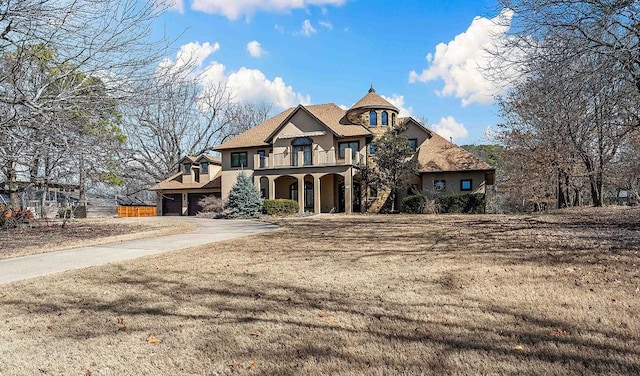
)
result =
(194, 198)
(172, 204)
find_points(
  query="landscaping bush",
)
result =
(473, 203)
(413, 204)
(211, 204)
(244, 199)
(280, 207)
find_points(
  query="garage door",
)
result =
(172, 204)
(194, 198)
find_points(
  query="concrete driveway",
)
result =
(207, 231)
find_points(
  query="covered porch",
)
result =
(315, 190)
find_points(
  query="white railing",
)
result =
(315, 158)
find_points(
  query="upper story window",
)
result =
(372, 148)
(393, 119)
(239, 159)
(385, 118)
(262, 153)
(204, 167)
(466, 184)
(413, 144)
(186, 168)
(354, 145)
(373, 118)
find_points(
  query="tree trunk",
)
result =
(12, 185)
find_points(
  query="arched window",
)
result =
(385, 118)
(373, 118)
(393, 119)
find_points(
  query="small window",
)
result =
(393, 119)
(372, 148)
(413, 144)
(466, 185)
(373, 118)
(354, 145)
(262, 153)
(373, 192)
(385, 118)
(239, 159)
(440, 185)
(187, 168)
(204, 167)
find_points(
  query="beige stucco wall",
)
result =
(229, 179)
(452, 180)
(417, 132)
(327, 193)
(302, 122)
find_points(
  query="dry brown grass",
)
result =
(50, 236)
(367, 295)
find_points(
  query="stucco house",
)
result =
(198, 177)
(313, 154)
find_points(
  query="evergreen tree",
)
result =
(394, 164)
(244, 199)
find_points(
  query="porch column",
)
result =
(272, 187)
(301, 193)
(348, 192)
(256, 181)
(316, 194)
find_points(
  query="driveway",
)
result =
(207, 231)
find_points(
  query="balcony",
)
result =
(313, 158)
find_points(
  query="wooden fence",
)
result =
(137, 211)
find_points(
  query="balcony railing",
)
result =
(306, 159)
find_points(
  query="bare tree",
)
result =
(65, 67)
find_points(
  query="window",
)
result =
(302, 144)
(204, 167)
(465, 185)
(239, 159)
(385, 118)
(373, 192)
(372, 148)
(262, 153)
(354, 145)
(187, 168)
(413, 144)
(373, 118)
(393, 119)
(440, 185)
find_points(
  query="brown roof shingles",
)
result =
(438, 155)
(329, 114)
(175, 182)
(373, 100)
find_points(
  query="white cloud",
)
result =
(255, 49)
(190, 55)
(326, 24)
(252, 85)
(449, 128)
(280, 28)
(307, 29)
(461, 62)
(175, 5)
(234, 9)
(398, 101)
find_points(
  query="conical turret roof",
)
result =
(373, 101)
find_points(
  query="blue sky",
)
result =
(424, 56)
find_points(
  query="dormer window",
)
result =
(385, 118)
(186, 168)
(204, 167)
(373, 118)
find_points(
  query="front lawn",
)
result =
(552, 294)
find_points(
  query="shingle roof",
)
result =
(438, 155)
(175, 182)
(373, 100)
(329, 114)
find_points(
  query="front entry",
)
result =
(308, 195)
(356, 199)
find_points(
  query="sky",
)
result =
(423, 56)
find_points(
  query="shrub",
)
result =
(473, 203)
(280, 207)
(244, 199)
(413, 204)
(211, 204)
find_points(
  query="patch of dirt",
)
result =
(40, 237)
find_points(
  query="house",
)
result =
(313, 154)
(196, 178)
